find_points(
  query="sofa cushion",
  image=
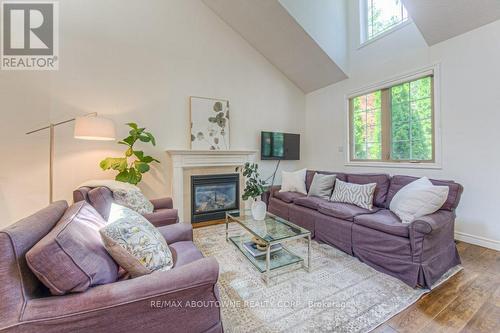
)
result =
(135, 243)
(342, 210)
(288, 197)
(384, 220)
(101, 199)
(309, 202)
(72, 257)
(454, 194)
(310, 175)
(184, 253)
(382, 181)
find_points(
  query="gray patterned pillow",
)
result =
(359, 195)
(134, 243)
(133, 199)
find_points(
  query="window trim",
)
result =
(363, 25)
(433, 70)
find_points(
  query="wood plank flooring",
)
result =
(467, 302)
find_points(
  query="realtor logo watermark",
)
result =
(30, 35)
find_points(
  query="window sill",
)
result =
(403, 165)
(385, 33)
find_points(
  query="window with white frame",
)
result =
(380, 16)
(394, 123)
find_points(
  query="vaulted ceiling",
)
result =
(439, 20)
(307, 39)
(272, 30)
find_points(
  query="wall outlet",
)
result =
(341, 149)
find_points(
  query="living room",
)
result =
(296, 103)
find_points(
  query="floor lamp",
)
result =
(88, 127)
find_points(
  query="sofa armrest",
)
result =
(273, 190)
(162, 203)
(188, 281)
(433, 222)
(177, 232)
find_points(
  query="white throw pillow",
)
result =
(356, 194)
(294, 181)
(417, 199)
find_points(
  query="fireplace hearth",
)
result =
(213, 195)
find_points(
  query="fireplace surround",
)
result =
(213, 195)
(182, 164)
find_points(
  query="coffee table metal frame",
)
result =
(232, 216)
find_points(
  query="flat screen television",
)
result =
(279, 146)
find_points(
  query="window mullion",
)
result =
(386, 124)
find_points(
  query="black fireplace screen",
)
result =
(213, 195)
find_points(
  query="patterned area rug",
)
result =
(340, 294)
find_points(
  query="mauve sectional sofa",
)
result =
(418, 253)
(158, 302)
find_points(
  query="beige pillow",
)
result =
(417, 199)
(134, 243)
(359, 195)
(294, 181)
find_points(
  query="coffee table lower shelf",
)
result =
(279, 259)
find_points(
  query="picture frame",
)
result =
(209, 123)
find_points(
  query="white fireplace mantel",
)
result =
(184, 159)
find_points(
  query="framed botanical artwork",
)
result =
(209, 123)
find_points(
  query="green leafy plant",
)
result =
(131, 167)
(254, 185)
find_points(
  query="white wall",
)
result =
(470, 101)
(135, 61)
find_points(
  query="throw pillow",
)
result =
(72, 257)
(417, 199)
(134, 243)
(294, 181)
(356, 194)
(322, 186)
(133, 199)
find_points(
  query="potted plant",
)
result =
(135, 163)
(254, 187)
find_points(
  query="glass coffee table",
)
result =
(273, 231)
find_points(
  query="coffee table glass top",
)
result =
(272, 229)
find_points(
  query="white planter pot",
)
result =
(259, 210)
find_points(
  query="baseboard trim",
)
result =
(477, 240)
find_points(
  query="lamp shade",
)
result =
(94, 128)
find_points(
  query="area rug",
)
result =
(340, 294)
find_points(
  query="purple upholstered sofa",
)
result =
(150, 303)
(101, 199)
(418, 253)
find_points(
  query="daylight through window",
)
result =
(394, 124)
(381, 16)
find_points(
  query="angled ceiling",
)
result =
(270, 29)
(439, 20)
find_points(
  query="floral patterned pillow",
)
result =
(134, 243)
(133, 199)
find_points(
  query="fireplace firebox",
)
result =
(213, 195)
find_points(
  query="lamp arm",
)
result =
(59, 123)
(51, 150)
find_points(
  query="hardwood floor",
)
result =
(467, 302)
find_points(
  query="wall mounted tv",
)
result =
(279, 146)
